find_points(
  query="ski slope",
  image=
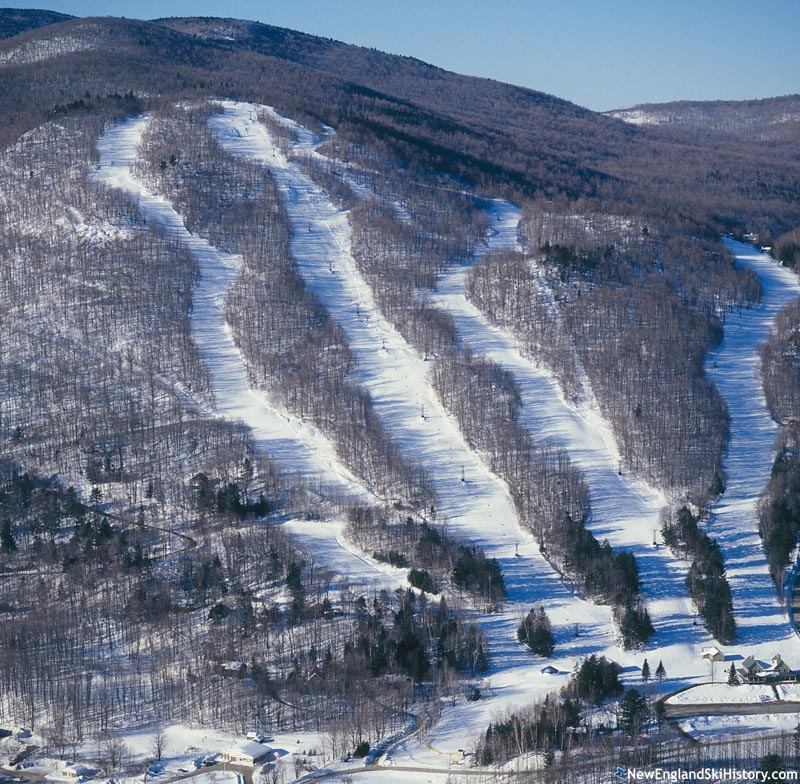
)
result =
(624, 510)
(301, 450)
(479, 509)
(735, 369)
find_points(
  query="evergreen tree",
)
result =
(536, 632)
(732, 679)
(645, 671)
(661, 672)
(8, 544)
(633, 712)
(772, 765)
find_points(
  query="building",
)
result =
(754, 671)
(76, 772)
(248, 752)
(712, 654)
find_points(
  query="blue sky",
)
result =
(603, 55)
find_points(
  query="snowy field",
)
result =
(708, 729)
(721, 693)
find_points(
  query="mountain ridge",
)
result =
(471, 127)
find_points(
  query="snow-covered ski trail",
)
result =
(479, 509)
(300, 449)
(735, 369)
(623, 510)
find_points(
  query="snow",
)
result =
(300, 448)
(39, 50)
(735, 368)
(97, 233)
(326, 544)
(624, 511)
(480, 509)
(638, 117)
(709, 729)
(721, 693)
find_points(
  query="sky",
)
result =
(602, 54)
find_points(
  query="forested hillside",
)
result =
(332, 383)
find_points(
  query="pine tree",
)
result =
(633, 712)
(537, 633)
(645, 671)
(732, 679)
(796, 744)
(8, 544)
(661, 672)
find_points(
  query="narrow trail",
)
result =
(300, 449)
(735, 368)
(624, 511)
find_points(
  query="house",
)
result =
(247, 752)
(549, 670)
(778, 669)
(750, 670)
(754, 671)
(232, 669)
(76, 772)
(712, 654)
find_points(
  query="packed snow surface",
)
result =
(624, 511)
(721, 693)
(478, 509)
(735, 368)
(300, 448)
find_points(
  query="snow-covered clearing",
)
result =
(710, 729)
(721, 693)
(300, 448)
(185, 748)
(735, 368)
(327, 546)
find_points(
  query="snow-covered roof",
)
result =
(247, 748)
(76, 769)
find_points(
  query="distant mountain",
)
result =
(521, 141)
(17, 20)
(770, 118)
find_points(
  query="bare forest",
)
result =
(156, 564)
